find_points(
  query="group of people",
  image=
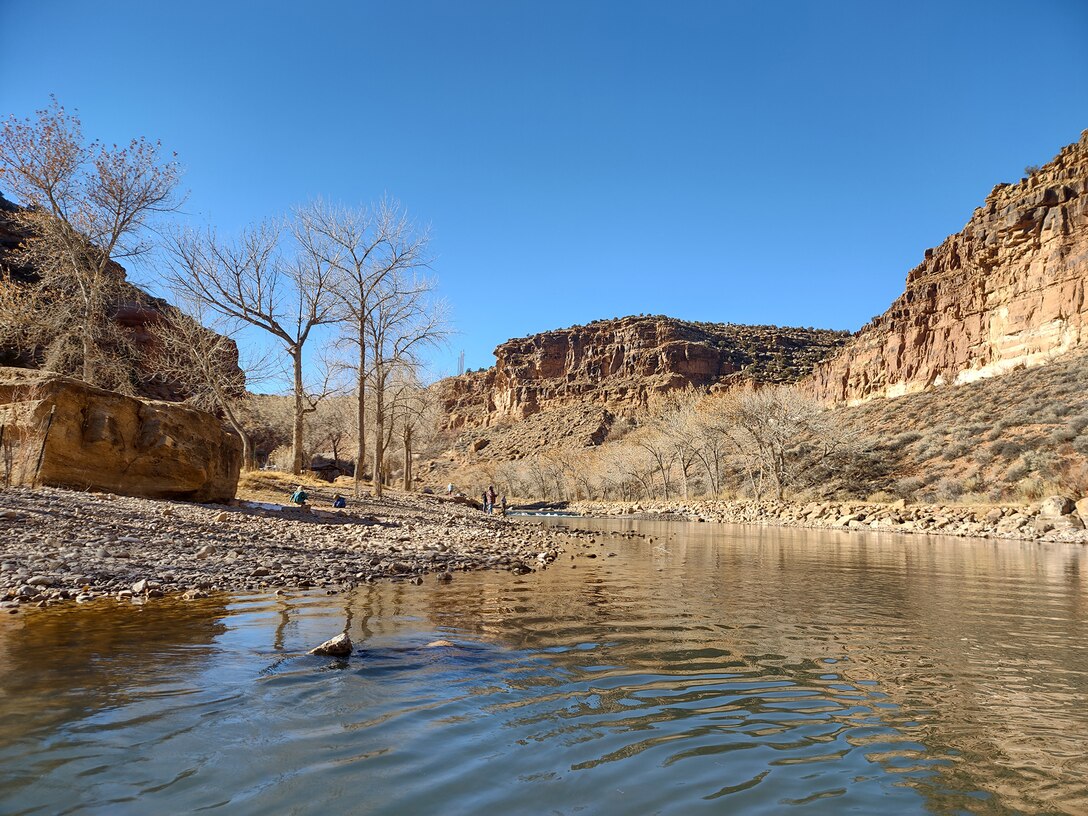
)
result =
(300, 496)
(488, 500)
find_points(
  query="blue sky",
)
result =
(748, 162)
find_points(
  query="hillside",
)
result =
(1020, 436)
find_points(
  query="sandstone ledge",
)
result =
(1018, 522)
(70, 434)
(62, 545)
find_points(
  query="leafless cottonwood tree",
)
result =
(405, 318)
(249, 280)
(88, 205)
(784, 436)
(365, 246)
(412, 408)
(205, 363)
(332, 427)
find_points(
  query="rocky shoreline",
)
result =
(1058, 518)
(62, 546)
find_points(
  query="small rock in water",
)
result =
(339, 646)
(435, 644)
(139, 587)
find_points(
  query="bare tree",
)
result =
(412, 409)
(783, 435)
(205, 363)
(248, 280)
(87, 206)
(332, 427)
(365, 245)
(405, 319)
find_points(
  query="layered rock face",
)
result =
(620, 364)
(102, 440)
(1005, 292)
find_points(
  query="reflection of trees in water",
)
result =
(67, 661)
(969, 648)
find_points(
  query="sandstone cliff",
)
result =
(1007, 291)
(618, 365)
(102, 440)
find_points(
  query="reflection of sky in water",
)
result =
(719, 668)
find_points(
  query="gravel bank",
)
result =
(1054, 519)
(60, 545)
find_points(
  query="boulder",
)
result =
(101, 440)
(339, 646)
(1067, 523)
(1056, 506)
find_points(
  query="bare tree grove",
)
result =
(87, 206)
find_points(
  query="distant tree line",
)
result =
(766, 443)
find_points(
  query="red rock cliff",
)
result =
(619, 364)
(1005, 292)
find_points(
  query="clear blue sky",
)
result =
(749, 162)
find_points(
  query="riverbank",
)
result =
(1054, 519)
(63, 545)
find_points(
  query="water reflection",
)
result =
(714, 668)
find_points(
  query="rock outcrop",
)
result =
(1007, 291)
(618, 365)
(88, 438)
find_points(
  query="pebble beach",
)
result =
(63, 546)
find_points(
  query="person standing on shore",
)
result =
(483, 503)
(449, 489)
(491, 498)
(503, 505)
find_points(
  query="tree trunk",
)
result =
(407, 436)
(360, 425)
(379, 433)
(88, 352)
(247, 445)
(296, 437)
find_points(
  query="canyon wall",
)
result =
(618, 365)
(1007, 291)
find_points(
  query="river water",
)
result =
(708, 669)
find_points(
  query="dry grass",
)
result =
(276, 487)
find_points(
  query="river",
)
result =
(704, 669)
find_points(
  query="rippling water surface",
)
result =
(708, 670)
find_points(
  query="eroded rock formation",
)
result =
(102, 440)
(618, 365)
(1005, 292)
